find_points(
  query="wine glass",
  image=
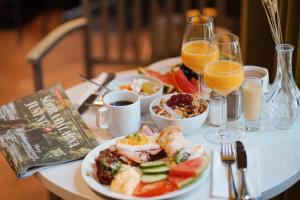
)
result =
(196, 50)
(224, 76)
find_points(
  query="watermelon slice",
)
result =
(167, 79)
(190, 168)
(182, 84)
(181, 182)
(194, 82)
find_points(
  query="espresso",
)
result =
(121, 103)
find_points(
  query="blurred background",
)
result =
(43, 42)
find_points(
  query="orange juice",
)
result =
(196, 54)
(224, 76)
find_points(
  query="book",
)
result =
(43, 129)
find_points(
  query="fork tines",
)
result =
(227, 149)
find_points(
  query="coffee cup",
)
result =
(258, 72)
(121, 113)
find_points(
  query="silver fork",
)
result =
(228, 158)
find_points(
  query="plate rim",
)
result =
(165, 64)
(100, 189)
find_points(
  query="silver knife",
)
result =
(84, 106)
(241, 157)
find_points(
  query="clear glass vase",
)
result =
(283, 97)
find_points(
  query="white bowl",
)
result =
(188, 125)
(145, 100)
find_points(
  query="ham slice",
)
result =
(145, 130)
(154, 151)
(136, 156)
(140, 156)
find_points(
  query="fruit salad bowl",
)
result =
(148, 88)
(160, 113)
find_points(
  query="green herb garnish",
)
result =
(180, 156)
(103, 163)
(115, 167)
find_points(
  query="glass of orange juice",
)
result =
(196, 49)
(223, 76)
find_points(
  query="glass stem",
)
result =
(199, 85)
(222, 130)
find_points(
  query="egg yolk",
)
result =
(135, 139)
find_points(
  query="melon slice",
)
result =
(188, 171)
(181, 182)
(190, 168)
(166, 79)
(182, 84)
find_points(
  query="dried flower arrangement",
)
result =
(272, 12)
(283, 80)
(271, 9)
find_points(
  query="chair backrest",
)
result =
(136, 31)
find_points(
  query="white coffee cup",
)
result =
(258, 72)
(119, 119)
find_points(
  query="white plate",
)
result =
(164, 66)
(88, 172)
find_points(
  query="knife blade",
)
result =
(241, 157)
(84, 106)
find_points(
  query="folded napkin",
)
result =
(91, 88)
(220, 180)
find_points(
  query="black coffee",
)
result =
(121, 103)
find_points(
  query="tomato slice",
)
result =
(154, 189)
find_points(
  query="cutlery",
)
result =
(82, 77)
(242, 167)
(228, 158)
(85, 105)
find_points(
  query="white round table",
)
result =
(279, 155)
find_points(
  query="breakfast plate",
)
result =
(164, 66)
(88, 172)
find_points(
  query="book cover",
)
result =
(43, 129)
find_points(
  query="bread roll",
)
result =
(171, 140)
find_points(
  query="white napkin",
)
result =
(91, 88)
(220, 180)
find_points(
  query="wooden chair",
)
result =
(162, 27)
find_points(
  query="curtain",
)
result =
(259, 49)
(290, 18)
(257, 44)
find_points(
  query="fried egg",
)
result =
(138, 142)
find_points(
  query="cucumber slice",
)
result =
(153, 178)
(155, 170)
(152, 164)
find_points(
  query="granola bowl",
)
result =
(188, 116)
